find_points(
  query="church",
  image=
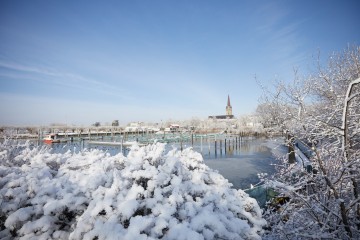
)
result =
(228, 115)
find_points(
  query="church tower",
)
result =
(228, 107)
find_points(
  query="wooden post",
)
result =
(215, 148)
(209, 145)
(221, 147)
(225, 146)
(291, 149)
(39, 136)
(192, 139)
(121, 146)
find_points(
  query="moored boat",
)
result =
(51, 138)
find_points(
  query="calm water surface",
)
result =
(241, 162)
(252, 157)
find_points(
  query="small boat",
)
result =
(51, 138)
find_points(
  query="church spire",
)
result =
(228, 103)
(228, 108)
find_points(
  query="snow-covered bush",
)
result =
(149, 194)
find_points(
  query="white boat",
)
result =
(51, 138)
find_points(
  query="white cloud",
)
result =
(48, 76)
(281, 33)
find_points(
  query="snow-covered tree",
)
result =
(322, 199)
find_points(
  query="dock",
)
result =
(123, 144)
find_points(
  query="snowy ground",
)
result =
(148, 194)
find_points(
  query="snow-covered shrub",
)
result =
(149, 194)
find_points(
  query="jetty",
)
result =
(122, 144)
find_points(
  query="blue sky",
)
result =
(78, 62)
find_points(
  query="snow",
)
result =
(149, 194)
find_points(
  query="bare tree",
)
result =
(323, 198)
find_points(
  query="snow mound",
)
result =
(149, 194)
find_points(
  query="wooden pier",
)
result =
(123, 144)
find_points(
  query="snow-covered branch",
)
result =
(328, 192)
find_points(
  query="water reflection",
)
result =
(241, 166)
(240, 161)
